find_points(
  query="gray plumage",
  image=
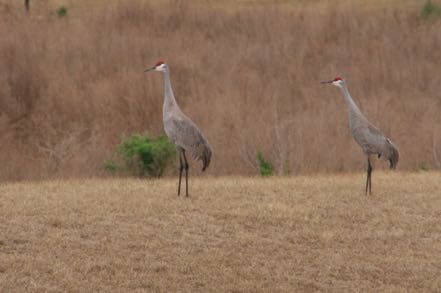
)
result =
(181, 130)
(369, 137)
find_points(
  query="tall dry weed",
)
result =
(71, 88)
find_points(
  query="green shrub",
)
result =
(142, 156)
(111, 166)
(424, 166)
(430, 10)
(286, 169)
(265, 167)
(62, 11)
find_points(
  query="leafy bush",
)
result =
(111, 166)
(424, 166)
(286, 169)
(430, 10)
(265, 167)
(62, 11)
(143, 156)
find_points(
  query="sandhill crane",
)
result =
(181, 130)
(371, 140)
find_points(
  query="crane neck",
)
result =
(352, 106)
(169, 97)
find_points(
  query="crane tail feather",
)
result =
(206, 158)
(202, 153)
(394, 155)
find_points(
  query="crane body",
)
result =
(370, 138)
(181, 130)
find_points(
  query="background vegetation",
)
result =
(142, 156)
(72, 87)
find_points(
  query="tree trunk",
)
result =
(27, 5)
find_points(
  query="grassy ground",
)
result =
(232, 234)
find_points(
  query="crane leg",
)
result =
(181, 168)
(186, 166)
(369, 177)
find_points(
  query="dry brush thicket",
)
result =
(72, 87)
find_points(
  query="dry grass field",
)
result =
(233, 234)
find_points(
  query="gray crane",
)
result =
(181, 130)
(370, 138)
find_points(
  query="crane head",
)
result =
(159, 66)
(338, 81)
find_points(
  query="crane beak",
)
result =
(149, 69)
(328, 81)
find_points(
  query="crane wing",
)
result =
(373, 141)
(370, 138)
(190, 138)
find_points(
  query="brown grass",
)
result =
(248, 74)
(232, 234)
